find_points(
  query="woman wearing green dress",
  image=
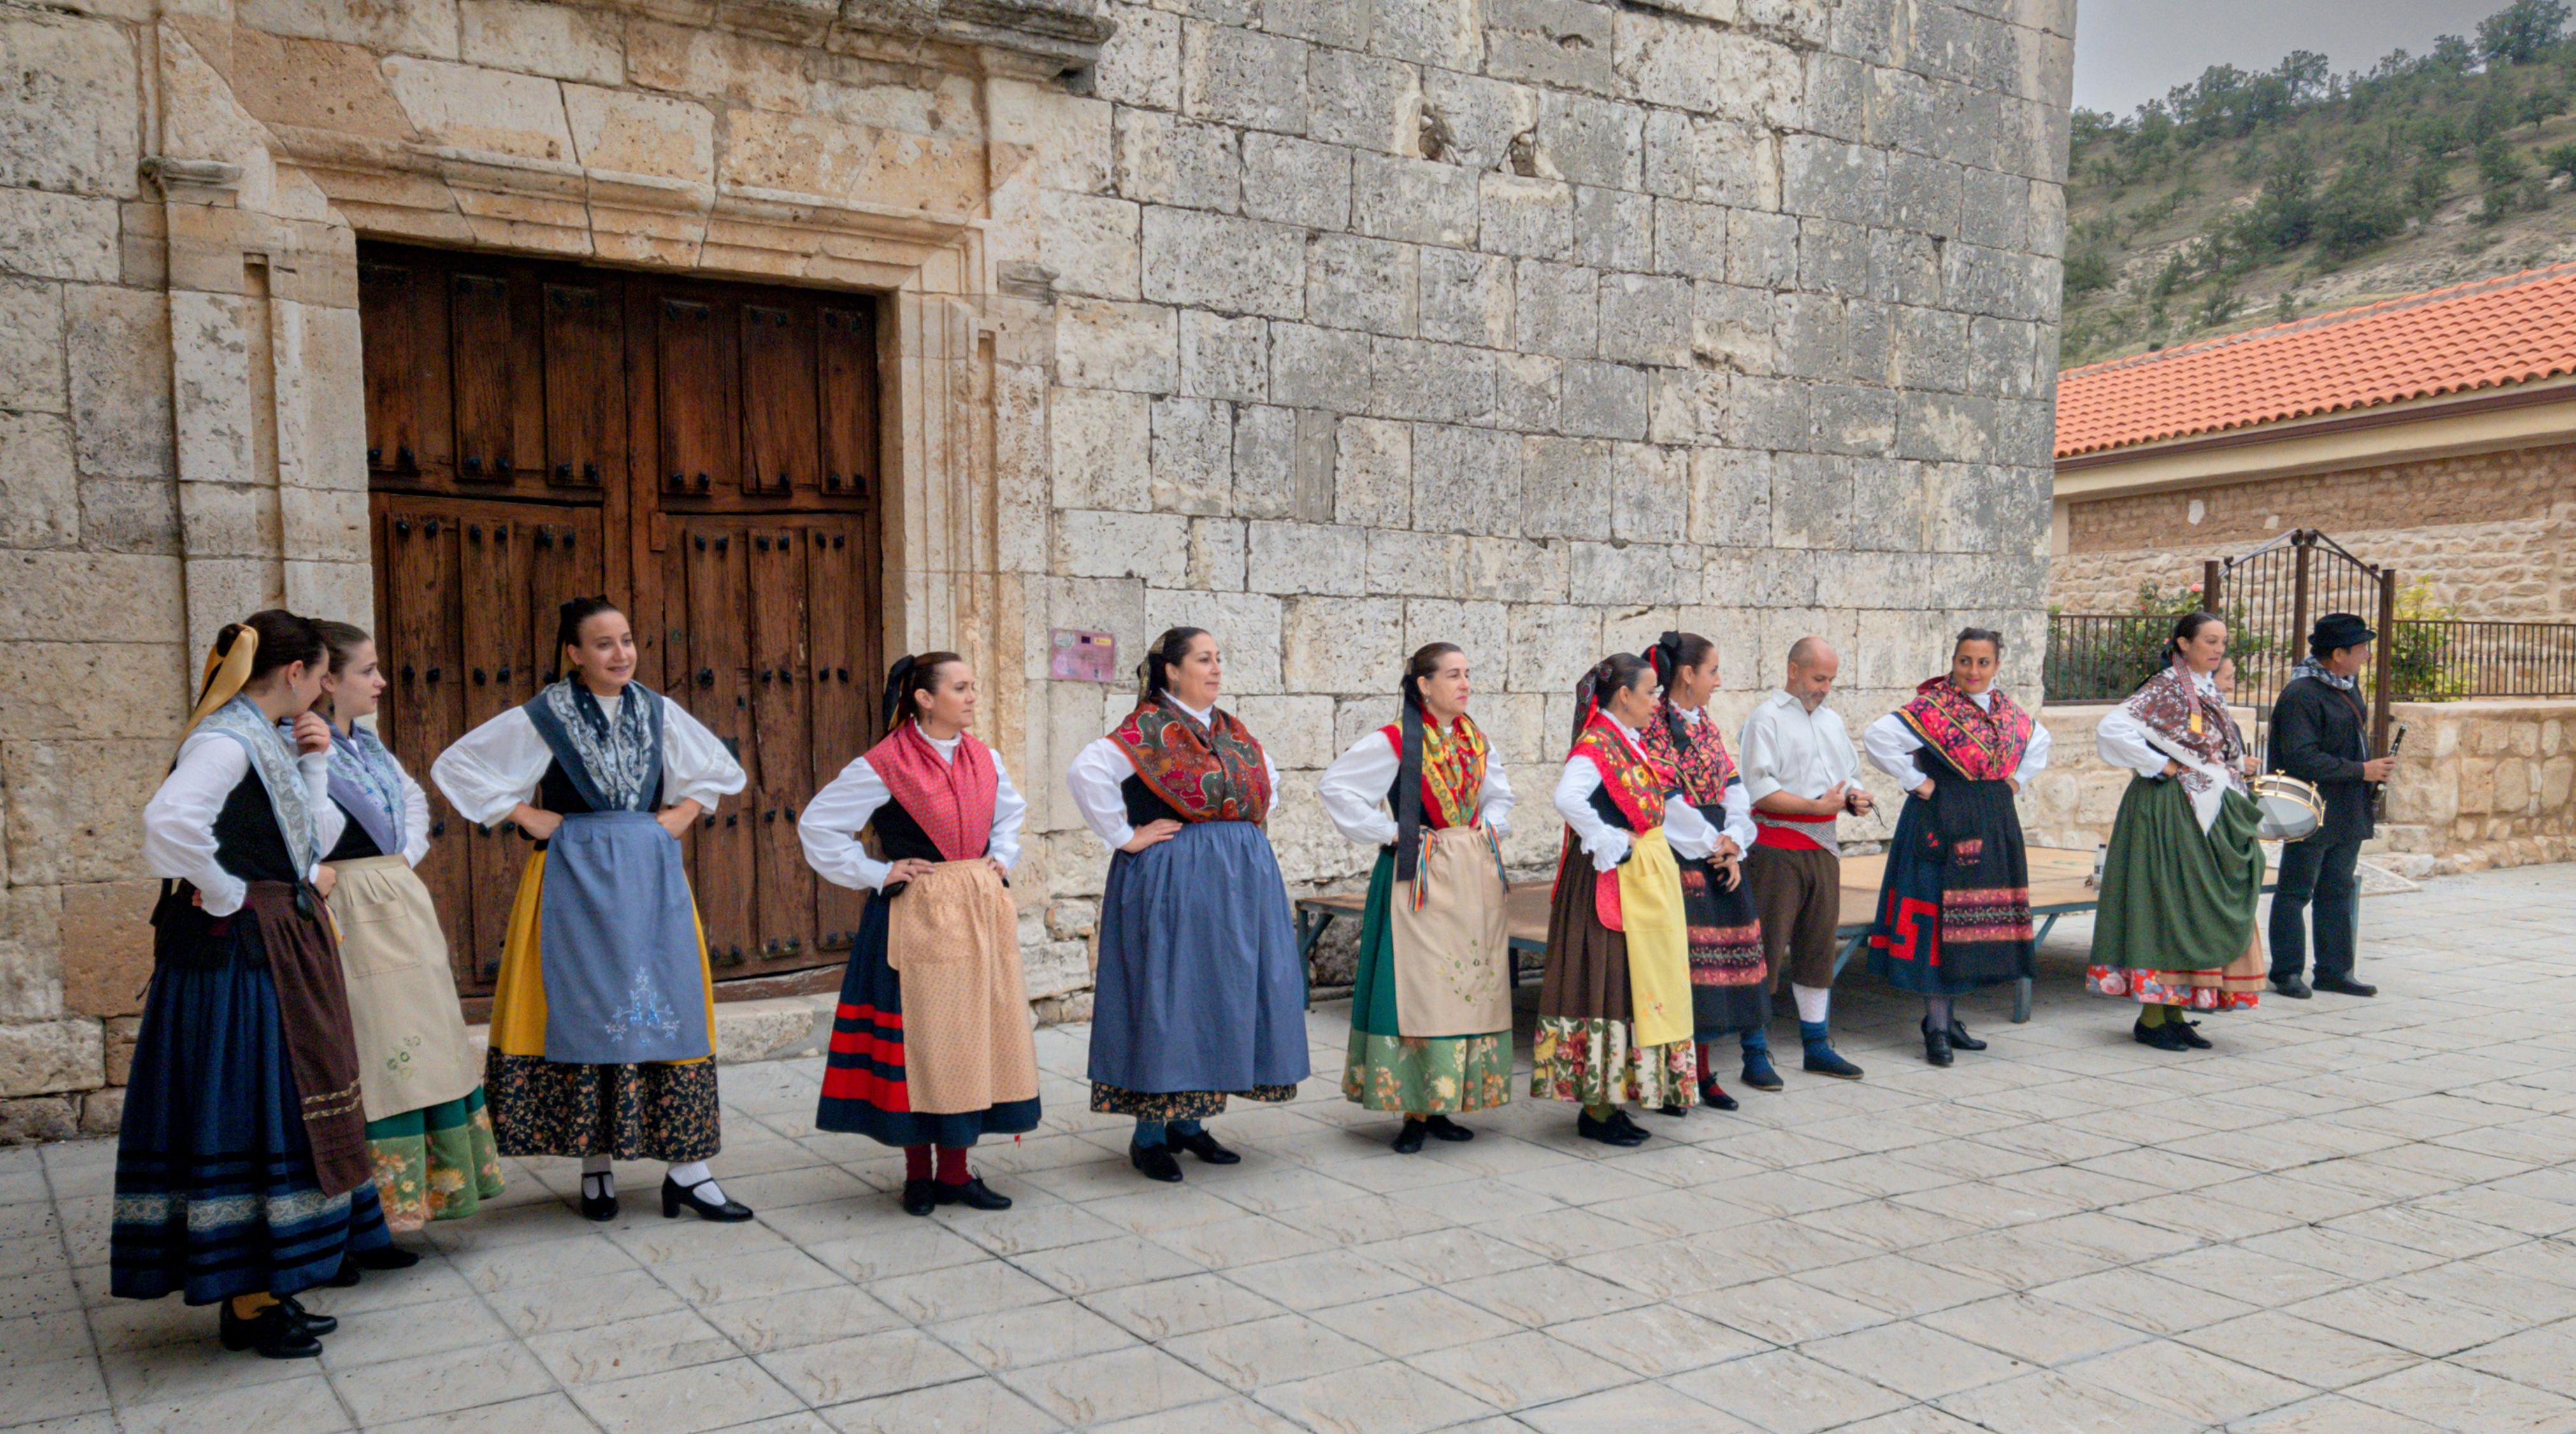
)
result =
(1431, 1008)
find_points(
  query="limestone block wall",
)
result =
(1336, 328)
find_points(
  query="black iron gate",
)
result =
(2274, 594)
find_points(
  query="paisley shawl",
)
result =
(1980, 744)
(1211, 773)
(2181, 717)
(1701, 762)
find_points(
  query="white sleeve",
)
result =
(1602, 842)
(328, 820)
(1739, 816)
(1891, 746)
(1010, 812)
(490, 770)
(1094, 780)
(179, 821)
(1686, 831)
(1354, 790)
(2034, 758)
(695, 765)
(829, 829)
(2122, 741)
(415, 821)
(1494, 805)
(1758, 754)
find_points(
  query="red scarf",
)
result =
(1212, 773)
(952, 797)
(1982, 744)
(1636, 785)
(1453, 770)
(1701, 760)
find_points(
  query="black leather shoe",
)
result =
(1408, 1141)
(2187, 1032)
(274, 1332)
(1936, 1044)
(602, 1208)
(2292, 986)
(1713, 1095)
(1443, 1128)
(974, 1195)
(1619, 1120)
(675, 1199)
(316, 1325)
(1961, 1040)
(1204, 1146)
(384, 1257)
(1608, 1132)
(347, 1276)
(2345, 986)
(1156, 1161)
(1673, 1108)
(2166, 1037)
(920, 1197)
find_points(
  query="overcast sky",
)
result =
(2127, 51)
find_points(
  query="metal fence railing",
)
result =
(2102, 657)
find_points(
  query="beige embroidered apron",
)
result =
(1453, 958)
(412, 1049)
(954, 942)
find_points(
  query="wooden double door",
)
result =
(707, 456)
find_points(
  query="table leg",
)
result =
(2021, 988)
(1850, 949)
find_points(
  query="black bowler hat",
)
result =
(2339, 629)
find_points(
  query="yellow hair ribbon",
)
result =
(227, 672)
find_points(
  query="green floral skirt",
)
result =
(435, 1163)
(1418, 1075)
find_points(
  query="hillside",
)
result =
(2245, 199)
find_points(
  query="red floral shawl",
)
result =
(952, 798)
(1212, 773)
(1706, 769)
(2172, 707)
(1982, 745)
(1453, 770)
(1636, 783)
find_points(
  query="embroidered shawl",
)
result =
(622, 755)
(367, 783)
(273, 759)
(1637, 786)
(1983, 744)
(951, 797)
(1697, 755)
(1453, 770)
(2191, 724)
(1211, 773)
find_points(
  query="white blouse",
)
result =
(1355, 790)
(1738, 805)
(1786, 748)
(179, 821)
(2124, 741)
(1891, 746)
(830, 826)
(1099, 769)
(415, 818)
(1688, 833)
(492, 769)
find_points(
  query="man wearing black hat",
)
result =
(2321, 735)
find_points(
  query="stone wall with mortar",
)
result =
(1539, 325)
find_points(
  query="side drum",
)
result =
(2292, 810)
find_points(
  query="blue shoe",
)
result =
(1822, 1060)
(1758, 1073)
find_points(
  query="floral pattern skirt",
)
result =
(1597, 1062)
(641, 1112)
(436, 1163)
(1178, 1104)
(1423, 1075)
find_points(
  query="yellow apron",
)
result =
(1650, 911)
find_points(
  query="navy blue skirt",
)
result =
(864, 1089)
(1200, 987)
(215, 1191)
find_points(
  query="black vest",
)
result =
(1144, 804)
(356, 842)
(250, 845)
(900, 837)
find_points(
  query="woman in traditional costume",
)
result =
(242, 1172)
(1954, 911)
(1200, 992)
(2175, 929)
(604, 1013)
(930, 1047)
(422, 1083)
(1431, 1005)
(1730, 985)
(1614, 1013)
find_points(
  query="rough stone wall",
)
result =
(1538, 325)
(2494, 533)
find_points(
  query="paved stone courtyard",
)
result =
(2349, 1217)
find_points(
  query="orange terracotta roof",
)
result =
(2493, 332)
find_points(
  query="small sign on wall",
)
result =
(1084, 656)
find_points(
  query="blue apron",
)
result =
(617, 934)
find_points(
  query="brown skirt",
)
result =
(1587, 962)
(1585, 1048)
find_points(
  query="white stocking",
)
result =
(695, 1178)
(596, 1177)
(1813, 1001)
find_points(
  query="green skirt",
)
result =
(2177, 906)
(1419, 1075)
(435, 1163)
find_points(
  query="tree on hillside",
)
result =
(2516, 34)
